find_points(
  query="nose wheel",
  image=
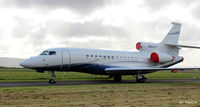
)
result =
(53, 75)
(52, 81)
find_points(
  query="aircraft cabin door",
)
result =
(66, 60)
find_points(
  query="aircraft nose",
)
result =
(25, 64)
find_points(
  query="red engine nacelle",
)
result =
(154, 57)
(160, 58)
(138, 45)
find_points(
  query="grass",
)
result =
(32, 75)
(114, 95)
(169, 75)
(21, 74)
(180, 94)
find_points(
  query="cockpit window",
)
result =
(48, 53)
(44, 53)
(52, 53)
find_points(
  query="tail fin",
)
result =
(172, 36)
(169, 45)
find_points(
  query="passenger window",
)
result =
(96, 56)
(52, 53)
(113, 58)
(100, 57)
(104, 57)
(87, 56)
(92, 57)
(108, 57)
(44, 53)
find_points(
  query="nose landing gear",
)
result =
(52, 81)
(53, 75)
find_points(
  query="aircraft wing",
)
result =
(134, 70)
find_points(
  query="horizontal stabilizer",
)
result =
(183, 46)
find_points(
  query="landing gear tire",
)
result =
(110, 76)
(53, 75)
(117, 78)
(52, 81)
(140, 78)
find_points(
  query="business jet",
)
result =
(151, 57)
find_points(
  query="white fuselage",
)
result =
(90, 60)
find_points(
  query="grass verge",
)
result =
(21, 74)
(112, 95)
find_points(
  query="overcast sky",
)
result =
(27, 27)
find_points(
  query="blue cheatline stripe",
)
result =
(174, 33)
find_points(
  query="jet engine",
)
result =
(146, 47)
(160, 58)
(138, 45)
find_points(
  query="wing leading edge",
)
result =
(134, 70)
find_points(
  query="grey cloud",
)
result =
(79, 6)
(4, 48)
(38, 38)
(66, 30)
(156, 5)
(98, 44)
(153, 31)
(22, 28)
(25, 29)
(195, 10)
(36, 34)
(157, 31)
(90, 28)
(125, 36)
(190, 34)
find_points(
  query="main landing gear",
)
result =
(117, 78)
(53, 75)
(140, 78)
(110, 76)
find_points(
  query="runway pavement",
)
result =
(89, 82)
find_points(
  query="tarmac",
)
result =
(88, 82)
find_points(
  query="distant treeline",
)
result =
(10, 67)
